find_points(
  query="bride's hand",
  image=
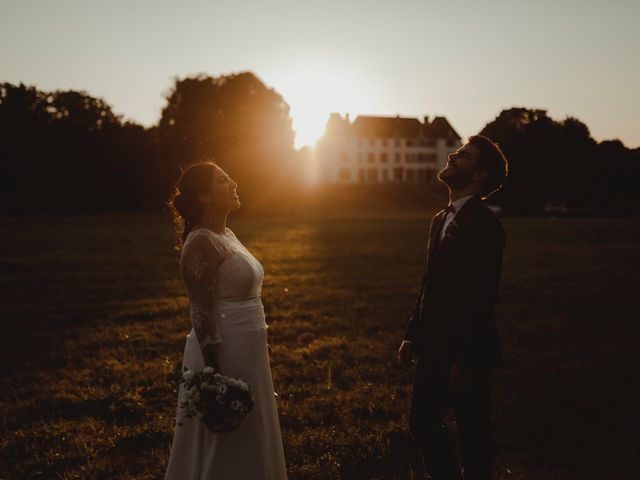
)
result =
(210, 355)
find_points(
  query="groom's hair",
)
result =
(493, 161)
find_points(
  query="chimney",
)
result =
(426, 120)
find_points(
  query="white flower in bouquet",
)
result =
(219, 402)
(239, 384)
(221, 388)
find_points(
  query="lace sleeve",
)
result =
(199, 267)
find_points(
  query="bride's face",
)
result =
(223, 191)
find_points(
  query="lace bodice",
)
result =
(218, 272)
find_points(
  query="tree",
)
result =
(234, 120)
(68, 151)
(550, 161)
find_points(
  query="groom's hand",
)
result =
(459, 378)
(405, 354)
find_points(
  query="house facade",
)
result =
(373, 150)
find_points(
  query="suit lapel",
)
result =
(461, 219)
(434, 239)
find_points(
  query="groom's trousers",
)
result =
(432, 400)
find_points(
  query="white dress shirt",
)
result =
(449, 216)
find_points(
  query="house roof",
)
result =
(366, 126)
(440, 127)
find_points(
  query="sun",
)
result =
(313, 91)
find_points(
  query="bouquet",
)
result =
(220, 402)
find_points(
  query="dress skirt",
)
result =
(254, 450)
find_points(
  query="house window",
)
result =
(422, 175)
(398, 157)
(385, 176)
(451, 143)
(361, 175)
(398, 142)
(345, 175)
(427, 158)
(428, 142)
(383, 157)
(410, 158)
(397, 174)
(372, 175)
(409, 143)
(371, 157)
(384, 142)
(344, 156)
(411, 175)
(359, 157)
(372, 142)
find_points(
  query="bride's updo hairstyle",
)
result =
(183, 202)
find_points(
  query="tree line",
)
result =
(559, 161)
(66, 151)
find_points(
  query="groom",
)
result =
(452, 330)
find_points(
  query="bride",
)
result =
(223, 282)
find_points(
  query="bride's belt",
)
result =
(240, 303)
(239, 316)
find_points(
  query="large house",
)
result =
(384, 149)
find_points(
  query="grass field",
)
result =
(93, 317)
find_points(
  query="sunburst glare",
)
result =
(314, 90)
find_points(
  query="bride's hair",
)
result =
(183, 202)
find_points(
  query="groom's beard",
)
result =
(456, 179)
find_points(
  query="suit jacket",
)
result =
(454, 315)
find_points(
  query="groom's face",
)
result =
(460, 171)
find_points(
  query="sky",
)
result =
(464, 59)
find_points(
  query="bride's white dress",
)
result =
(226, 309)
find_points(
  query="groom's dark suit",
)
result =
(453, 322)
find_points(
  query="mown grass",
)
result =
(94, 317)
